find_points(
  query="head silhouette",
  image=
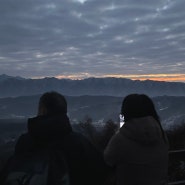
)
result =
(52, 103)
(138, 105)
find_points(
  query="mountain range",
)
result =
(119, 87)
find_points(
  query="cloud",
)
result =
(51, 38)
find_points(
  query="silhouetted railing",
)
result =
(177, 183)
(180, 155)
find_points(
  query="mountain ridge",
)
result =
(18, 86)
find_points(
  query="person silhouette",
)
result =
(51, 128)
(139, 150)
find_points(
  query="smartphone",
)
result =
(121, 118)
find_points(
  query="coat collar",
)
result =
(49, 128)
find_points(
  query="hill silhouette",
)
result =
(18, 86)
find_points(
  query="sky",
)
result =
(137, 39)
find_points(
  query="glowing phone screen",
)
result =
(121, 117)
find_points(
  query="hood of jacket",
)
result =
(144, 130)
(47, 128)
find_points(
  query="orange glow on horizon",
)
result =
(154, 77)
(162, 79)
(142, 77)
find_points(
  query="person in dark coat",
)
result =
(139, 150)
(51, 127)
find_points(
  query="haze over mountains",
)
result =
(98, 98)
(18, 86)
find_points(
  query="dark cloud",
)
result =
(49, 38)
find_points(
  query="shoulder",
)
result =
(112, 150)
(117, 138)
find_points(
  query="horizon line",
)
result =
(142, 77)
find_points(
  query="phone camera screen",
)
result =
(121, 117)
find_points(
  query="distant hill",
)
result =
(97, 107)
(18, 86)
(171, 109)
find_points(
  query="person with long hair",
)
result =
(139, 150)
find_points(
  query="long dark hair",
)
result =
(139, 105)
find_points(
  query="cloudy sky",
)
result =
(138, 39)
